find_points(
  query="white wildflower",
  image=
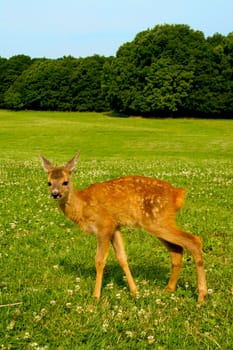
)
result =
(43, 312)
(37, 318)
(26, 335)
(11, 325)
(105, 326)
(109, 285)
(146, 293)
(129, 334)
(12, 224)
(141, 312)
(151, 339)
(70, 292)
(79, 309)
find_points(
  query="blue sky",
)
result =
(81, 28)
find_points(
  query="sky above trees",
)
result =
(57, 28)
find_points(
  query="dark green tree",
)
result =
(10, 70)
(212, 80)
(43, 86)
(171, 70)
(64, 84)
(86, 84)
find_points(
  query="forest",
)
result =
(166, 71)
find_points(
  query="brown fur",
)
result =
(102, 208)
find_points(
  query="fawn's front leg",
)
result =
(100, 261)
(121, 257)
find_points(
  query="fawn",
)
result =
(102, 208)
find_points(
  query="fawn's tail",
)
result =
(179, 196)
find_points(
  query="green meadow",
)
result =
(47, 269)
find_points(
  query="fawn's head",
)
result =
(59, 181)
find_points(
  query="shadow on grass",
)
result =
(114, 273)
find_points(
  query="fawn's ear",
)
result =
(71, 164)
(46, 164)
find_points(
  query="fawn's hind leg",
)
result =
(121, 257)
(176, 254)
(192, 243)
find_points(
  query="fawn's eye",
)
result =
(65, 183)
(49, 183)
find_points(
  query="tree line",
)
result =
(170, 70)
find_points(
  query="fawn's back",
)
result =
(131, 200)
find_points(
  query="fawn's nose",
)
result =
(55, 194)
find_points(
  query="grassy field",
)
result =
(47, 264)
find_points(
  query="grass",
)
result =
(47, 264)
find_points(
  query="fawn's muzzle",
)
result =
(55, 194)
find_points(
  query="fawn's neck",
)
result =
(71, 206)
